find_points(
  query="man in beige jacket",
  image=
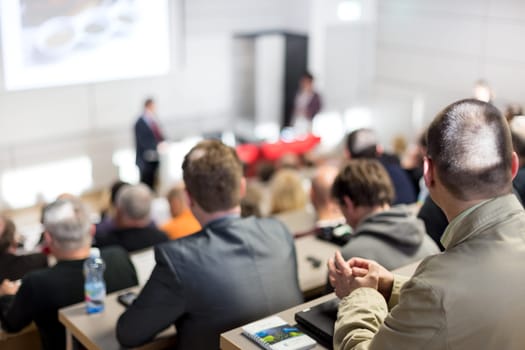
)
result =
(471, 295)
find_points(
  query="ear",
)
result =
(349, 204)
(48, 239)
(348, 155)
(515, 164)
(92, 230)
(118, 215)
(428, 172)
(242, 189)
(189, 200)
(379, 150)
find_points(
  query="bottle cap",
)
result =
(94, 253)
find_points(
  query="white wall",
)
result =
(438, 49)
(269, 78)
(425, 55)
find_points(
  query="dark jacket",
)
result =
(145, 143)
(314, 106)
(393, 238)
(132, 239)
(14, 267)
(404, 190)
(519, 184)
(230, 273)
(44, 292)
(435, 220)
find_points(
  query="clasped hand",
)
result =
(347, 276)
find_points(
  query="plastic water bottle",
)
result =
(94, 285)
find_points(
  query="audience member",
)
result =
(289, 201)
(182, 222)
(467, 297)
(251, 202)
(483, 92)
(517, 128)
(435, 220)
(326, 208)
(43, 292)
(287, 192)
(363, 143)
(265, 171)
(329, 224)
(13, 266)
(235, 270)
(412, 162)
(288, 161)
(513, 110)
(399, 146)
(107, 222)
(389, 234)
(133, 221)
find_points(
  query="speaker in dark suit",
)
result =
(147, 138)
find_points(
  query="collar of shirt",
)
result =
(446, 239)
(149, 118)
(224, 218)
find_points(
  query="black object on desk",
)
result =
(127, 298)
(339, 235)
(318, 321)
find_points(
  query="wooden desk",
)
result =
(28, 338)
(312, 277)
(234, 340)
(97, 331)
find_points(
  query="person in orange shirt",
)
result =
(182, 222)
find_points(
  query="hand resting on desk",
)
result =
(347, 276)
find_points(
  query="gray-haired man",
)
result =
(68, 235)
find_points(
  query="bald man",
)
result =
(326, 208)
(470, 296)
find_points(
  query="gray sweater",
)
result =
(393, 238)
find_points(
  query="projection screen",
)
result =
(49, 43)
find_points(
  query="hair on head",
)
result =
(365, 182)
(212, 173)
(470, 145)
(67, 221)
(362, 143)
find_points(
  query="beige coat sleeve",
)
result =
(417, 322)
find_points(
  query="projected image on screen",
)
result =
(61, 42)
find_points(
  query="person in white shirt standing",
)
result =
(307, 104)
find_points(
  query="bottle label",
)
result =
(95, 293)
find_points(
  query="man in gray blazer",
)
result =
(235, 270)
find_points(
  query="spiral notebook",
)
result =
(273, 333)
